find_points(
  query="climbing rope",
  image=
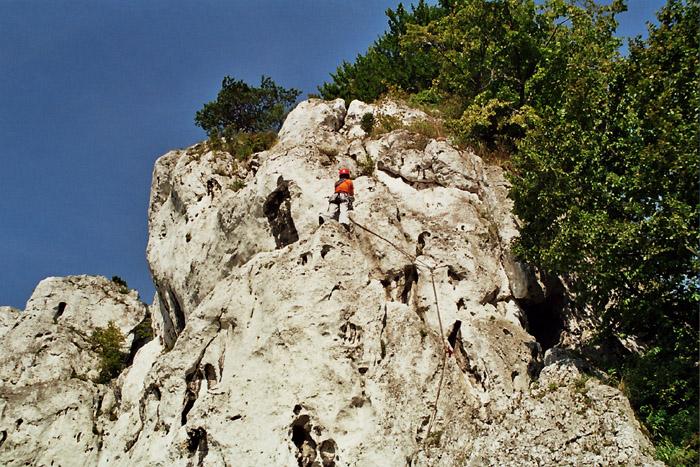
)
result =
(413, 258)
(431, 269)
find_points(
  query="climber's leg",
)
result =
(332, 212)
(343, 215)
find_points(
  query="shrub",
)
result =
(429, 97)
(681, 456)
(388, 123)
(121, 283)
(144, 330)
(429, 128)
(580, 384)
(367, 122)
(243, 108)
(366, 166)
(243, 119)
(238, 184)
(241, 145)
(328, 150)
(108, 342)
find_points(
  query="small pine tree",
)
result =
(247, 109)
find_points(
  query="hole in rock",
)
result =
(186, 409)
(177, 202)
(304, 258)
(535, 366)
(59, 311)
(357, 401)
(278, 210)
(454, 333)
(544, 320)
(197, 442)
(297, 409)
(421, 242)
(460, 304)
(325, 249)
(410, 274)
(212, 186)
(193, 380)
(210, 375)
(490, 297)
(453, 275)
(154, 390)
(327, 449)
(3, 437)
(18, 423)
(386, 283)
(301, 437)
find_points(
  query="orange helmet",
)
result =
(344, 171)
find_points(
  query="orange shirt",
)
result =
(344, 185)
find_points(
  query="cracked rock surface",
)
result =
(280, 342)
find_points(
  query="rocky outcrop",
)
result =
(49, 402)
(284, 343)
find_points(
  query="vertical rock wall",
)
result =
(280, 342)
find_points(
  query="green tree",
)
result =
(607, 187)
(243, 108)
(499, 60)
(387, 64)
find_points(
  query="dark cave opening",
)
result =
(197, 443)
(277, 208)
(301, 437)
(59, 311)
(544, 320)
(193, 380)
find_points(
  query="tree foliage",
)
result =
(108, 343)
(387, 63)
(244, 108)
(607, 184)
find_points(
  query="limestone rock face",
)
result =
(282, 342)
(48, 401)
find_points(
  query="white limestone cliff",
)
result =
(48, 400)
(279, 342)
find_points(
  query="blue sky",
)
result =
(93, 91)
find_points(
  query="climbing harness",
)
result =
(431, 269)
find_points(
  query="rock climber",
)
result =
(341, 201)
